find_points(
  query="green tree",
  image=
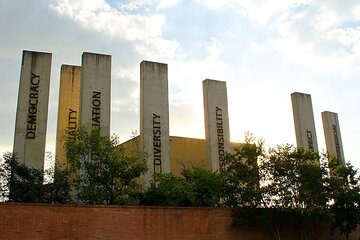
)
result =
(104, 173)
(293, 178)
(195, 187)
(24, 184)
(242, 176)
(166, 190)
(283, 185)
(205, 187)
(344, 190)
(244, 190)
(59, 189)
(293, 183)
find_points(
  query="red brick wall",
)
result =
(43, 221)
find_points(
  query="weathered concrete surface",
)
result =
(332, 134)
(32, 109)
(304, 121)
(95, 100)
(68, 108)
(154, 117)
(217, 130)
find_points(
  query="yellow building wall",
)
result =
(132, 146)
(184, 152)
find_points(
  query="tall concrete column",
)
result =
(304, 121)
(32, 109)
(217, 130)
(154, 117)
(332, 134)
(95, 94)
(68, 109)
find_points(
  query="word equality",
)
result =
(72, 119)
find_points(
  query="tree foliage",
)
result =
(282, 185)
(166, 190)
(59, 189)
(206, 188)
(242, 176)
(270, 187)
(25, 184)
(104, 173)
(344, 190)
(196, 187)
(293, 183)
(293, 178)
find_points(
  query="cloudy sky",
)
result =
(263, 49)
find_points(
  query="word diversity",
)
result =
(157, 143)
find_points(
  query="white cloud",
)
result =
(324, 17)
(80, 8)
(329, 12)
(167, 4)
(185, 71)
(258, 10)
(313, 37)
(345, 36)
(99, 16)
(133, 5)
(158, 49)
(145, 32)
(186, 99)
(344, 10)
(214, 3)
(309, 32)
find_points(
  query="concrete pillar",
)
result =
(332, 134)
(217, 130)
(95, 94)
(32, 109)
(304, 121)
(68, 109)
(154, 117)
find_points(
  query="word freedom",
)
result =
(33, 106)
(336, 140)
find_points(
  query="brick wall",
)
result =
(43, 221)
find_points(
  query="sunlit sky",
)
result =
(263, 49)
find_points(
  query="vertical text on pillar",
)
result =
(33, 103)
(96, 109)
(220, 137)
(157, 143)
